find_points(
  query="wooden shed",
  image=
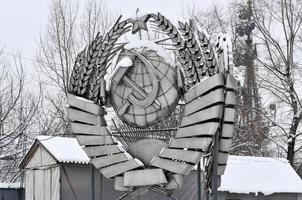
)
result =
(56, 168)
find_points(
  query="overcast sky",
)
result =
(23, 21)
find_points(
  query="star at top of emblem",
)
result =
(139, 23)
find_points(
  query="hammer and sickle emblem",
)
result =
(144, 99)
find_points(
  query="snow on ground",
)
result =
(245, 174)
(64, 149)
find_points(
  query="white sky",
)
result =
(23, 21)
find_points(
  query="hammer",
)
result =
(119, 75)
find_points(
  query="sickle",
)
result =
(152, 96)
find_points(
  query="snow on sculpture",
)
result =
(145, 87)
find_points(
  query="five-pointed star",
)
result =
(140, 23)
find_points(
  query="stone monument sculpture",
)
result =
(144, 85)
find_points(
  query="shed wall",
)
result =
(187, 192)
(43, 183)
(76, 185)
(76, 182)
(41, 157)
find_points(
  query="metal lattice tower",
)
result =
(251, 123)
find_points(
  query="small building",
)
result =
(11, 191)
(249, 178)
(56, 168)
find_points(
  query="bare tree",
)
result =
(96, 18)
(58, 47)
(69, 30)
(70, 27)
(279, 24)
(18, 107)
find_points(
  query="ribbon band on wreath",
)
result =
(144, 89)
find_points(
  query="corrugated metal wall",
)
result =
(76, 182)
(76, 185)
(11, 194)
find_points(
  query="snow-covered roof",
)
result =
(245, 174)
(10, 185)
(64, 149)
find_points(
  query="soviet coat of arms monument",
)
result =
(174, 98)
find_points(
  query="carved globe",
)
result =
(146, 91)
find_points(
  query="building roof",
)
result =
(64, 149)
(245, 174)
